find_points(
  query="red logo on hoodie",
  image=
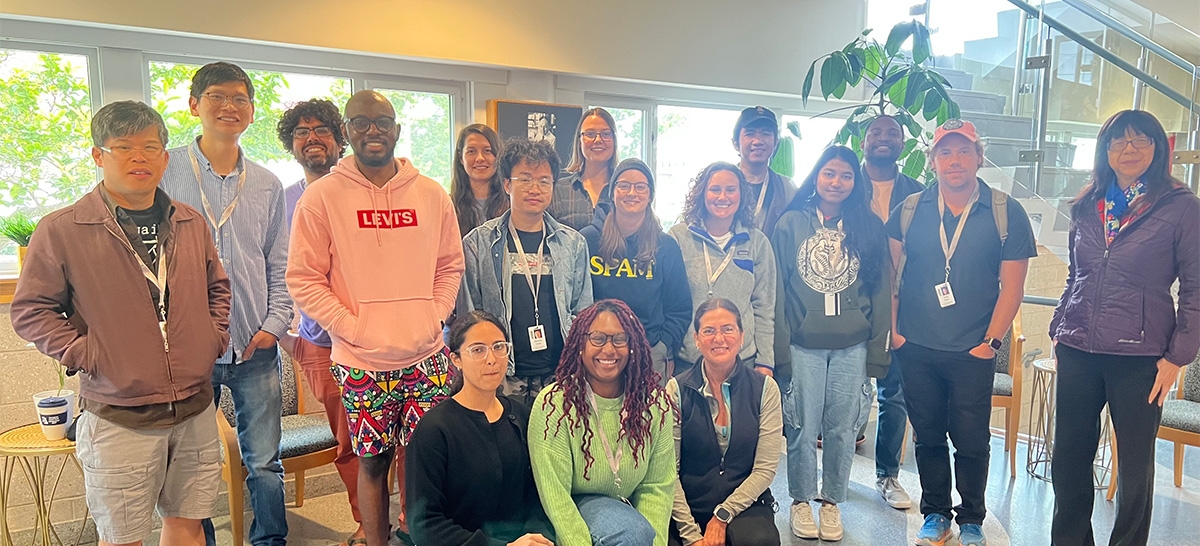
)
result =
(387, 219)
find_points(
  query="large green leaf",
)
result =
(808, 80)
(932, 102)
(921, 48)
(858, 60)
(896, 38)
(832, 75)
(896, 92)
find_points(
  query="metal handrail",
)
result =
(1124, 30)
(1108, 56)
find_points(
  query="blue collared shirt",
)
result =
(252, 244)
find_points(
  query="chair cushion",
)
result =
(1002, 385)
(1182, 415)
(304, 434)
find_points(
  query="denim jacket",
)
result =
(487, 282)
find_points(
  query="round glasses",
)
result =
(301, 133)
(1119, 144)
(479, 351)
(126, 152)
(599, 339)
(363, 124)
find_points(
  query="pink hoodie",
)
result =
(378, 268)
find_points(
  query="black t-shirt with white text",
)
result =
(530, 362)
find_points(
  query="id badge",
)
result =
(833, 305)
(537, 338)
(945, 295)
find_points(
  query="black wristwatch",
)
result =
(723, 515)
(994, 343)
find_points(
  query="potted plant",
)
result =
(18, 228)
(902, 88)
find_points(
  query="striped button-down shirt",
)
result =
(252, 244)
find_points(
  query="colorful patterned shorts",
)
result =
(384, 407)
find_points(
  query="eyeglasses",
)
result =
(599, 339)
(479, 351)
(607, 136)
(362, 124)
(1118, 145)
(301, 133)
(126, 152)
(526, 182)
(626, 187)
(709, 332)
(241, 102)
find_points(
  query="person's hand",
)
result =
(714, 533)
(769, 372)
(288, 343)
(984, 351)
(261, 340)
(898, 340)
(1167, 374)
(532, 539)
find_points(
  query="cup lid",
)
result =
(52, 402)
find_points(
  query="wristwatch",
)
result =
(994, 343)
(723, 515)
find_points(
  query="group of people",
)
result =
(543, 364)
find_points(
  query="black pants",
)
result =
(949, 395)
(755, 526)
(1085, 382)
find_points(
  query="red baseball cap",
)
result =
(955, 127)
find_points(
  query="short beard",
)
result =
(882, 161)
(377, 162)
(320, 167)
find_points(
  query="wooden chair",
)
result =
(306, 443)
(1006, 391)
(1180, 422)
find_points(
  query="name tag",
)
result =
(833, 306)
(945, 295)
(537, 338)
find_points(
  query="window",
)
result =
(689, 139)
(426, 131)
(45, 137)
(274, 93)
(815, 135)
(631, 132)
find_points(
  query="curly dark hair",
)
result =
(321, 110)
(642, 390)
(694, 209)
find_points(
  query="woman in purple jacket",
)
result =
(1120, 339)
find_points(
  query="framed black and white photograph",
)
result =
(537, 121)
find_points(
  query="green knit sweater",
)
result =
(558, 467)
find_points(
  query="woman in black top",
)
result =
(469, 481)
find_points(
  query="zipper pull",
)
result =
(1105, 253)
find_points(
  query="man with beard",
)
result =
(756, 137)
(882, 146)
(311, 131)
(376, 260)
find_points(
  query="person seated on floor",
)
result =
(727, 439)
(469, 478)
(600, 436)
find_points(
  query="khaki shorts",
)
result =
(129, 473)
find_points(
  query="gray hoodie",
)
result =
(748, 281)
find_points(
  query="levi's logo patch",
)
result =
(387, 219)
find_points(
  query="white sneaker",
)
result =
(893, 493)
(803, 524)
(831, 522)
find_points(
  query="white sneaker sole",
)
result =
(831, 537)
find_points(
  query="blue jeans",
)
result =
(612, 522)
(893, 420)
(826, 392)
(258, 399)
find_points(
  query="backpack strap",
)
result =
(1000, 213)
(908, 208)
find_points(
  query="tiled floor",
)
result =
(1019, 514)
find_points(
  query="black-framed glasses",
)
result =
(599, 339)
(1119, 144)
(626, 187)
(607, 136)
(303, 132)
(241, 102)
(526, 182)
(709, 332)
(479, 351)
(363, 124)
(125, 152)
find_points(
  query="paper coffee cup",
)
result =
(54, 414)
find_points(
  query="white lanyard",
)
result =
(713, 276)
(208, 212)
(614, 459)
(762, 195)
(949, 248)
(159, 282)
(821, 218)
(533, 287)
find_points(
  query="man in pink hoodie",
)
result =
(376, 259)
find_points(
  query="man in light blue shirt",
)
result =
(244, 207)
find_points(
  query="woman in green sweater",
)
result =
(832, 318)
(600, 436)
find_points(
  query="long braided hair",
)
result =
(641, 384)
